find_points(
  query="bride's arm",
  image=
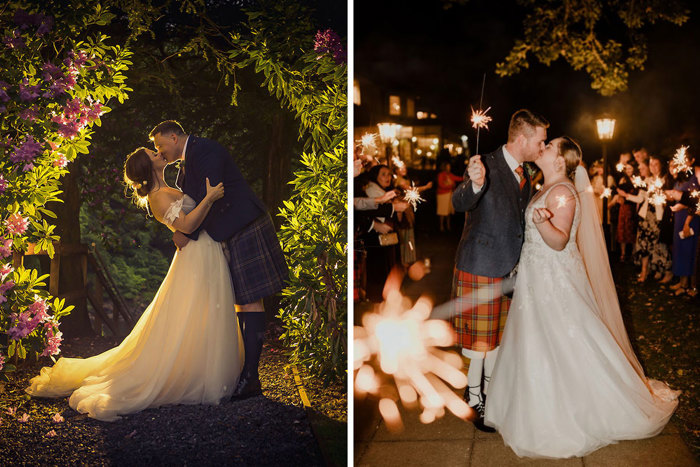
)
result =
(554, 221)
(186, 223)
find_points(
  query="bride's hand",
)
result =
(214, 193)
(540, 215)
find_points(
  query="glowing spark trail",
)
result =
(606, 193)
(397, 358)
(656, 193)
(620, 167)
(398, 162)
(412, 196)
(638, 182)
(680, 159)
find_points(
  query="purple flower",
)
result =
(22, 18)
(28, 93)
(27, 151)
(15, 41)
(23, 326)
(29, 114)
(329, 42)
(4, 97)
(45, 26)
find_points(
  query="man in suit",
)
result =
(494, 194)
(240, 221)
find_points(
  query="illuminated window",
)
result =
(356, 99)
(394, 105)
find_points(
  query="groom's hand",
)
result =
(477, 171)
(180, 239)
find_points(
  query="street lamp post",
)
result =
(606, 131)
(387, 133)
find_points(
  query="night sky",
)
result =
(441, 56)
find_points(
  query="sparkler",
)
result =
(398, 162)
(561, 201)
(369, 141)
(412, 196)
(479, 118)
(656, 192)
(397, 358)
(606, 193)
(680, 159)
(620, 167)
(638, 182)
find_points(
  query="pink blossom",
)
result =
(53, 343)
(4, 288)
(60, 161)
(3, 184)
(329, 42)
(16, 224)
(11, 411)
(38, 309)
(51, 433)
(5, 271)
(2, 361)
(29, 114)
(5, 247)
(23, 327)
(24, 418)
(57, 418)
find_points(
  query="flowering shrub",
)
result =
(57, 76)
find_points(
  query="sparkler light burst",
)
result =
(620, 167)
(680, 159)
(396, 357)
(606, 193)
(656, 192)
(479, 119)
(398, 162)
(412, 196)
(638, 182)
(369, 141)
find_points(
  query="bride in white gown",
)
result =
(566, 381)
(186, 348)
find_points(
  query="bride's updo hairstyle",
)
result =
(138, 174)
(571, 152)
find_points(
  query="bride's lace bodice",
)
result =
(185, 203)
(534, 247)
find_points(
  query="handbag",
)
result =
(388, 239)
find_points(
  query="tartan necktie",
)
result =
(519, 171)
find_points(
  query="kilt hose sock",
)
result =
(489, 363)
(252, 325)
(476, 366)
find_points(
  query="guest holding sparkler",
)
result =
(446, 185)
(651, 254)
(686, 222)
(407, 237)
(625, 218)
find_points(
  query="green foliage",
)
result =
(58, 75)
(579, 32)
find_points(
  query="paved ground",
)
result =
(453, 442)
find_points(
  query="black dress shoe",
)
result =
(247, 387)
(478, 421)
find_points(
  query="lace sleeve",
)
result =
(173, 212)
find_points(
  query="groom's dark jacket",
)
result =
(494, 228)
(239, 207)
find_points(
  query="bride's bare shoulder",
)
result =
(161, 200)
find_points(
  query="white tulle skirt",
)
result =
(185, 349)
(562, 386)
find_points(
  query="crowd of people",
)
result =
(653, 217)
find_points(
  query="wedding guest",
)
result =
(625, 219)
(446, 185)
(649, 253)
(407, 237)
(613, 205)
(641, 156)
(686, 227)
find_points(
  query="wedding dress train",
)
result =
(185, 349)
(562, 385)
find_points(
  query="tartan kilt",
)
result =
(257, 264)
(480, 318)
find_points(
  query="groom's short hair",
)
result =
(167, 127)
(524, 122)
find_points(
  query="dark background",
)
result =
(441, 56)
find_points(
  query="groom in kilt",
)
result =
(494, 194)
(242, 223)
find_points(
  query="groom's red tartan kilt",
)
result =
(257, 264)
(480, 311)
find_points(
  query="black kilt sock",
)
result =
(253, 329)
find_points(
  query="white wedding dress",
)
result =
(562, 386)
(185, 349)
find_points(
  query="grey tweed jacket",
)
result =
(494, 229)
